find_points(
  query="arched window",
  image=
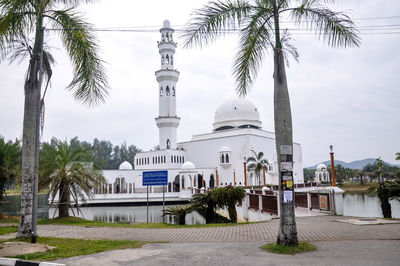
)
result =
(164, 159)
(171, 159)
(162, 60)
(172, 60)
(163, 37)
(183, 182)
(227, 158)
(167, 91)
(222, 158)
(153, 160)
(161, 92)
(167, 59)
(173, 91)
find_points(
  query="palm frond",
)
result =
(336, 28)
(255, 39)
(90, 85)
(213, 20)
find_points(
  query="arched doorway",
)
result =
(175, 184)
(199, 181)
(212, 181)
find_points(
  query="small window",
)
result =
(171, 159)
(172, 60)
(162, 60)
(161, 91)
(167, 91)
(173, 91)
(270, 168)
(227, 158)
(167, 59)
(222, 158)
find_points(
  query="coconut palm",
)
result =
(66, 170)
(229, 196)
(380, 163)
(10, 160)
(256, 164)
(179, 211)
(259, 25)
(19, 18)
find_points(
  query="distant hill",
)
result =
(353, 165)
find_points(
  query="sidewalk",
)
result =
(314, 228)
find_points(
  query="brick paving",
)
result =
(317, 228)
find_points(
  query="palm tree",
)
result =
(379, 163)
(229, 196)
(179, 211)
(205, 205)
(10, 160)
(260, 29)
(19, 18)
(66, 169)
(398, 156)
(386, 191)
(256, 164)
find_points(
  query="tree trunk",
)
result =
(386, 208)
(181, 220)
(232, 213)
(63, 202)
(28, 147)
(283, 136)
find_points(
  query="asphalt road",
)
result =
(348, 252)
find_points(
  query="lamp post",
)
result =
(217, 177)
(333, 166)
(264, 175)
(234, 178)
(245, 172)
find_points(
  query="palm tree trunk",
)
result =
(29, 138)
(386, 208)
(63, 204)
(283, 135)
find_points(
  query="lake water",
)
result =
(359, 205)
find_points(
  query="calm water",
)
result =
(360, 205)
(367, 205)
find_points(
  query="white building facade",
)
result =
(207, 160)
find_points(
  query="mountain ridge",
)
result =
(357, 164)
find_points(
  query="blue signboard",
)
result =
(155, 178)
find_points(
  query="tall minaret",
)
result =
(167, 76)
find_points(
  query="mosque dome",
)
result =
(236, 113)
(125, 166)
(321, 166)
(188, 166)
(166, 24)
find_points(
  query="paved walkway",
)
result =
(318, 228)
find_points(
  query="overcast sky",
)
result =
(345, 97)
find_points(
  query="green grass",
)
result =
(18, 192)
(68, 247)
(8, 219)
(8, 229)
(279, 249)
(356, 187)
(83, 222)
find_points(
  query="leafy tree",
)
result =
(386, 191)
(10, 160)
(398, 156)
(229, 196)
(260, 29)
(19, 18)
(66, 169)
(179, 212)
(256, 164)
(205, 205)
(379, 163)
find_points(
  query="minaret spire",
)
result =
(167, 76)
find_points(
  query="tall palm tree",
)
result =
(10, 160)
(380, 163)
(256, 164)
(229, 196)
(19, 18)
(260, 29)
(66, 169)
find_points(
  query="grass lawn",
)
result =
(68, 247)
(8, 229)
(356, 187)
(302, 247)
(83, 222)
(8, 219)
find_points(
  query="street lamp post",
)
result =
(245, 172)
(234, 178)
(264, 176)
(333, 166)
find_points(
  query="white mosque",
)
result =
(207, 160)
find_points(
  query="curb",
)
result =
(17, 262)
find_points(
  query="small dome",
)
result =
(321, 166)
(236, 113)
(125, 166)
(166, 24)
(188, 166)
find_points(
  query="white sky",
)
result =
(347, 97)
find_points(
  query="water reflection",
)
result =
(367, 205)
(128, 214)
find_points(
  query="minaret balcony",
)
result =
(167, 75)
